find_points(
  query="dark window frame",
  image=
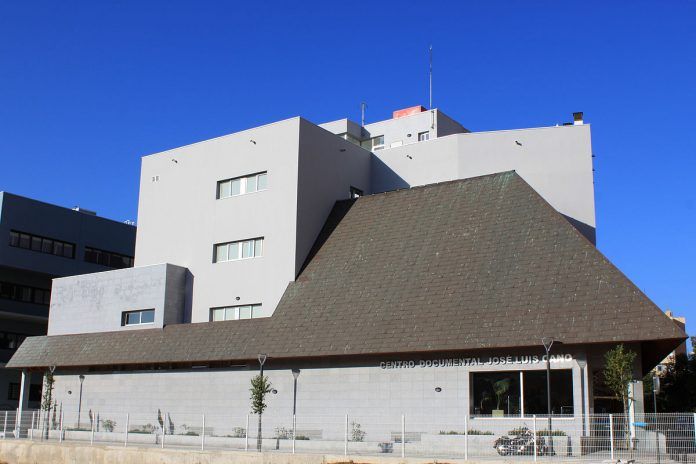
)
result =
(36, 243)
(15, 292)
(107, 258)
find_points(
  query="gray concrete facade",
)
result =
(555, 161)
(180, 218)
(434, 397)
(26, 274)
(90, 302)
(308, 168)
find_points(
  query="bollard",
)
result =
(4, 428)
(162, 438)
(294, 430)
(203, 434)
(345, 443)
(91, 437)
(246, 434)
(611, 435)
(403, 436)
(466, 436)
(60, 431)
(31, 431)
(536, 451)
(125, 441)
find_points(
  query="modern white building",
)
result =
(403, 266)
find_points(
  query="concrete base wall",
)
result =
(26, 452)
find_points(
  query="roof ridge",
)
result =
(438, 184)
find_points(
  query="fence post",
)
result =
(611, 435)
(4, 429)
(294, 431)
(31, 430)
(60, 432)
(466, 436)
(345, 441)
(246, 434)
(162, 444)
(18, 424)
(203, 434)
(125, 441)
(403, 436)
(91, 438)
(536, 451)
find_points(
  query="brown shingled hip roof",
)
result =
(464, 265)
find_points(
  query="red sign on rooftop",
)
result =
(408, 111)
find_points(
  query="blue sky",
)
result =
(87, 88)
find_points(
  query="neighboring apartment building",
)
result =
(391, 262)
(39, 242)
(681, 350)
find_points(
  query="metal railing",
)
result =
(603, 437)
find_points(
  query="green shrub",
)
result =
(470, 432)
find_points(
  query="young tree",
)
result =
(260, 387)
(47, 399)
(618, 372)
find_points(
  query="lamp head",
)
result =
(547, 342)
(262, 358)
(295, 373)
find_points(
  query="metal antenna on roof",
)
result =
(430, 79)
(363, 107)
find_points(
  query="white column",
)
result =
(611, 435)
(403, 436)
(345, 443)
(466, 436)
(521, 393)
(246, 435)
(23, 399)
(536, 451)
(203, 434)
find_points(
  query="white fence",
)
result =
(646, 438)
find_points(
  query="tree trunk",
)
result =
(258, 436)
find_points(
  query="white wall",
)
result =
(96, 302)
(555, 161)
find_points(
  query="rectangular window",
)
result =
(495, 393)
(42, 244)
(498, 393)
(535, 398)
(24, 293)
(143, 316)
(11, 341)
(107, 258)
(377, 143)
(13, 391)
(355, 193)
(423, 136)
(233, 313)
(242, 185)
(242, 249)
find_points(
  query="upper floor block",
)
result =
(57, 241)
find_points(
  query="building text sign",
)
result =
(476, 361)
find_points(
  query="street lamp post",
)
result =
(548, 342)
(262, 360)
(79, 404)
(295, 374)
